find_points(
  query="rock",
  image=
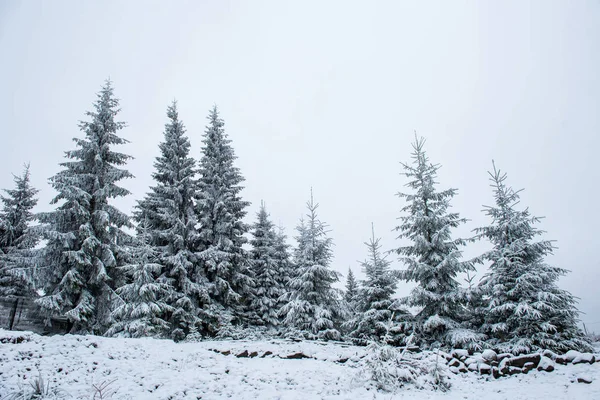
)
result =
(546, 364)
(454, 370)
(462, 368)
(503, 365)
(253, 354)
(502, 356)
(267, 353)
(520, 361)
(296, 356)
(454, 363)
(342, 360)
(496, 372)
(460, 354)
(472, 367)
(561, 360)
(528, 367)
(485, 369)
(243, 354)
(584, 358)
(584, 379)
(514, 370)
(471, 360)
(226, 352)
(549, 354)
(571, 355)
(489, 355)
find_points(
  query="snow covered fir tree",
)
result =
(84, 234)
(17, 237)
(167, 214)
(269, 271)
(524, 308)
(313, 306)
(432, 256)
(351, 290)
(379, 316)
(220, 212)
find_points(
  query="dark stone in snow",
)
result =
(342, 360)
(550, 354)
(502, 356)
(226, 352)
(243, 354)
(496, 373)
(297, 356)
(584, 358)
(267, 353)
(546, 364)
(454, 363)
(253, 354)
(485, 369)
(514, 370)
(584, 379)
(520, 361)
(561, 360)
(528, 367)
(489, 355)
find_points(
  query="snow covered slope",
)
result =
(161, 369)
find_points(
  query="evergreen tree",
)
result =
(84, 234)
(220, 212)
(379, 315)
(313, 306)
(351, 289)
(268, 271)
(17, 237)
(168, 213)
(282, 257)
(433, 257)
(143, 311)
(525, 309)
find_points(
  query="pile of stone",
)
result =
(489, 362)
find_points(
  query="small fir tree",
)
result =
(313, 306)
(351, 290)
(17, 237)
(268, 271)
(380, 317)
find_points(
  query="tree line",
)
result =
(195, 269)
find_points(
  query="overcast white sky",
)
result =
(328, 94)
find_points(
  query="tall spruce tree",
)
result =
(433, 257)
(313, 306)
(168, 214)
(379, 314)
(220, 212)
(84, 234)
(525, 309)
(17, 237)
(268, 271)
(143, 312)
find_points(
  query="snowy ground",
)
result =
(161, 369)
